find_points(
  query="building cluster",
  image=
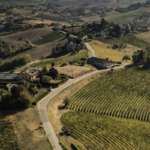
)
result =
(30, 74)
(125, 27)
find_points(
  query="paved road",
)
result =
(90, 49)
(43, 103)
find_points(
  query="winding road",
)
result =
(90, 49)
(43, 103)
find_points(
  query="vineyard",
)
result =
(123, 94)
(102, 132)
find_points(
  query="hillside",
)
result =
(122, 94)
(101, 132)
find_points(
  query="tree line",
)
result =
(7, 49)
(10, 64)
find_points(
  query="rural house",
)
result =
(58, 27)
(102, 63)
(71, 46)
(29, 74)
(102, 34)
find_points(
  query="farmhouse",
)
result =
(8, 76)
(29, 74)
(102, 34)
(71, 46)
(102, 63)
(58, 27)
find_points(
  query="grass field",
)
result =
(29, 130)
(101, 132)
(123, 94)
(75, 29)
(128, 39)
(61, 60)
(32, 35)
(102, 51)
(49, 38)
(22, 11)
(145, 36)
(128, 16)
(8, 139)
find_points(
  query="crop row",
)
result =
(123, 94)
(102, 132)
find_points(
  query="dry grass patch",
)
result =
(145, 36)
(102, 51)
(75, 71)
(29, 131)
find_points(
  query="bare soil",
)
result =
(32, 35)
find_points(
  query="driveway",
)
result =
(43, 103)
(90, 49)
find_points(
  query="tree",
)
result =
(90, 36)
(46, 79)
(24, 100)
(52, 64)
(44, 70)
(19, 89)
(66, 101)
(53, 72)
(67, 34)
(126, 57)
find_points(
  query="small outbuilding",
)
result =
(8, 76)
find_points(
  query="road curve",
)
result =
(90, 49)
(43, 103)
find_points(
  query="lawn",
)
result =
(102, 50)
(29, 130)
(49, 38)
(102, 132)
(123, 94)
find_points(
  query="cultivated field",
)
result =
(32, 35)
(43, 50)
(49, 38)
(102, 51)
(101, 132)
(22, 11)
(122, 94)
(128, 39)
(29, 130)
(128, 16)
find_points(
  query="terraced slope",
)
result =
(123, 94)
(101, 132)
